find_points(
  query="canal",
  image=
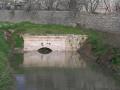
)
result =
(59, 71)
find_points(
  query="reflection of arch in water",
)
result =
(45, 50)
(54, 59)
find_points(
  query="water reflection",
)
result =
(53, 59)
(60, 71)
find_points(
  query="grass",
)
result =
(17, 40)
(116, 58)
(96, 39)
(5, 74)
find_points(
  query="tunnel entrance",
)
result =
(44, 50)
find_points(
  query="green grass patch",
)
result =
(5, 74)
(17, 40)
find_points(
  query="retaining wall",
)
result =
(101, 22)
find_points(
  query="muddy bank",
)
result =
(108, 59)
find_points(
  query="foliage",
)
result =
(116, 58)
(5, 76)
(17, 40)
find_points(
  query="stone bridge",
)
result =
(54, 42)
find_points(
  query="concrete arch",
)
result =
(55, 43)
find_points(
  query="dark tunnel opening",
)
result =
(44, 50)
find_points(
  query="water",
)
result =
(59, 71)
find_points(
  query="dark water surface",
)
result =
(59, 71)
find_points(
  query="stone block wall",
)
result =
(41, 17)
(109, 23)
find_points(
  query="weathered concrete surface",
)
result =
(55, 43)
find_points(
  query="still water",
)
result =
(59, 71)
